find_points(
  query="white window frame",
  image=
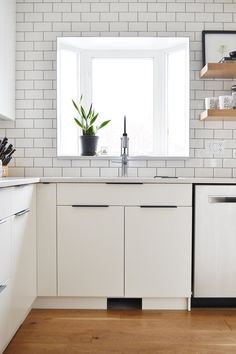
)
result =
(159, 86)
(84, 86)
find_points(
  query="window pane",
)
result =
(124, 86)
(67, 90)
(177, 98)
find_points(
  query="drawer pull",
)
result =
(3, 221)
(89, 206)
(22, 185)
(2, 288)
(23, 212)
(159, 206)
(120, 183)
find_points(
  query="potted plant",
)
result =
(86, 121)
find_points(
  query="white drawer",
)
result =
(21, 197)
(124, 194)
(5, 202)
(5, 250)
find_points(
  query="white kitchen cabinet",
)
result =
(23, 257)
(124, 193)
(17, 258)
(47, 239)
(5, 204)
(5, 250)
(90, 251)
(5, 316)
(23, 197)
(114, 240)
(158, 252)
(5, 274)
(7, 58)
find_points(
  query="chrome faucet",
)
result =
(124, 151)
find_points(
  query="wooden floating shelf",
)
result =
(218, 114)
(219, 70)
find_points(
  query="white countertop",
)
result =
(15, 181)
(181, 180)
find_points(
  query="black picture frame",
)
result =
(207, 33)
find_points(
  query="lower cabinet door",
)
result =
(5, 325)
(90, 251)
(23, 263)
(5, 273)
(158, 252)
(5, 250)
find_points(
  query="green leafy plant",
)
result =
(86, 120)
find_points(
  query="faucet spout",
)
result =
(124, 165)
(124, 151)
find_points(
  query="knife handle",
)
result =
(6, 161)
(12, 152)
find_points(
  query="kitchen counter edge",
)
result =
(16, 181)
(138, 180)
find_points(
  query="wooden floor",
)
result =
(113, 332)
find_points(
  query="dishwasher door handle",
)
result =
(221, 199)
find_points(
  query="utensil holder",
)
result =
(5, 172)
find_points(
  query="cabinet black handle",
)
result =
(159, 206)
(89, 206)
(137, 183)
(22, 185)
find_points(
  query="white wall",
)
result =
(39, 22)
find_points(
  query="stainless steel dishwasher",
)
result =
(215, 242)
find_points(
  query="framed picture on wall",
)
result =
(216, 45)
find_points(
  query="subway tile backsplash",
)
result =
(39, 22)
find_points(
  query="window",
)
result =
(176, 105)
(67, 132)
(124, 86)
(149, 86)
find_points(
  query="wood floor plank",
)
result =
(126, 332)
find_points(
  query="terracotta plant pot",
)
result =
(89, 145)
